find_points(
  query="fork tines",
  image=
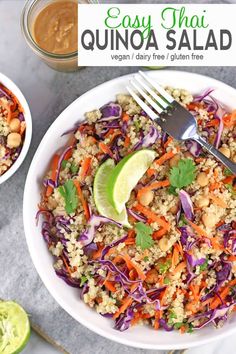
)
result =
(159, 99)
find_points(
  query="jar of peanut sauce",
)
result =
(50, 28)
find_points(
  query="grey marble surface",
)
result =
(48, 93)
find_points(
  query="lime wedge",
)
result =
(14, 328)
(126, 175)
(102, 203)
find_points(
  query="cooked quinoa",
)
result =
(12, 129)
(186, 277)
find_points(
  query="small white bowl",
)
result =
(9, 84)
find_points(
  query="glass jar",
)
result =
(60, 62)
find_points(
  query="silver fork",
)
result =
(170, 115)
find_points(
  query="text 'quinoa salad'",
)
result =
(12, 128)
(166, 257)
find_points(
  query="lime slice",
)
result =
(14, 328)
(126, 175)
(102, 203)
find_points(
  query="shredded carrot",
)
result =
(109, 286)
(167, 143)
(229, 120)
(125, 117)
(180, 267)
(164, 158)
(127, 141)
(199, 159)
(175, 257)
(232, 282)
(154, 185)
(128, 301)
(131, 265)
(228, 179)
(97, 254)
(195, 291)
(193, 105)
(152, 216)
(82, 199)
(151, 172)
(216, 244)
(54, 167)
(213, 123)
(158, 234)
(232, 258)
(157, 318)
(105, 149)
(66, 265)
(214, 186)
(85, 166)
(197, 229)
(216, 301)
(218, 201)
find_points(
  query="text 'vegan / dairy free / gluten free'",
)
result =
(51, 30)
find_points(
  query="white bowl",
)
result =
(67, 297)
(9, 84)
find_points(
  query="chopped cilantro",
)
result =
(83, 280)
(182, 221)
(137, 126)
(183, 174)
(167, 281)
(68, 192)
(230, 188)
(190, 328)
(204, 265)
(146, 259)
(143, 236)
(63, 164)
(172, 315)
(74, 168)
(178, 325)
(172, 190)
(227, 172)
(163, 267)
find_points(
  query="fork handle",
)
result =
(212, 150)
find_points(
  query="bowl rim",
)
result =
(9, 84)
(86, 322)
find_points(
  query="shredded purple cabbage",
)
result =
(110, 111)
(187, 204)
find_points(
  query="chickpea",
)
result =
(188, 155)
(15, 125)
(146, 198)
(151, 276)
(174, 209)
(225, 151)
(234, 158)
(209, 220)
(202, 201)
(164, 244)
(174, 161)
(202, 179)
(13, 140)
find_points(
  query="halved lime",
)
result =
(102, 203)
(14, 328)
(126, 175)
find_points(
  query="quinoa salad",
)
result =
(12, 129)
(174, 266)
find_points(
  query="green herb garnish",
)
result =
(163, 267)
(172, 190)
(63, 164)
(178, 325)
(69, 193)
(137, 126)
(227, 172)
(146, 259)
(143, 236)
(230, 188)
(83, 280)
(204, 265)
(182, 221)
(183, 174)
(166, 281)
(74, 168)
